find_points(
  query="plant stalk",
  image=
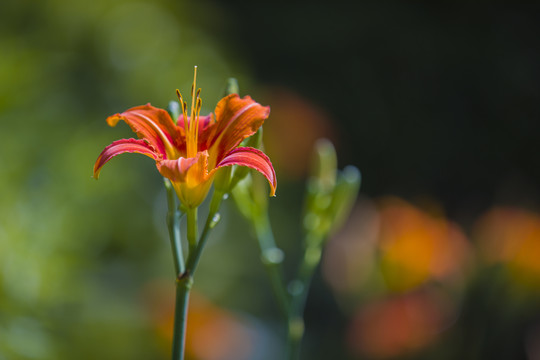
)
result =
(173, 225)
(272, 258)
(299, 289)
(184, 280)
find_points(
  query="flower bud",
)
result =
(329, 194)
(174, 109)
(222, 181)
(344, 196)
(232, 87)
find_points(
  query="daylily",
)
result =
(191, 151)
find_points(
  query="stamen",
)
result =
(191, 134)
(193, 86)
(184, 110)
(196, 111)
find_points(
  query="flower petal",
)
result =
(236, 119)
(176, 170)
(124, 146)
(189, 177)
(255, 159)
(155, 126)
(205, 123)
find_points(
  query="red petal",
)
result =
(236, 119)
(205, 123)
(124, 146)
(255, 159)
(152, 124)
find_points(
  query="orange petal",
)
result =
(155, 126)
(124, 146)
(176, 170)
(189, 177)
(236, 119)
(254, 159)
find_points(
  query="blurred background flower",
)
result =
(398, 272)
(510, 237)
(429, 103)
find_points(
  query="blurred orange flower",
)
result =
(511, 236)
(398, 325)
(416, 246)
(190, 151)
(408, 246)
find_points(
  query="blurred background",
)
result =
(437, 106)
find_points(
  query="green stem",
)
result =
(299, 289)
(183, 286)
(173, 224)
(192, 229)
(184, 280)
(211, 221)
(272, 258)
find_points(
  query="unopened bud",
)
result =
(174, 109)
(232, 87)
(345, 193)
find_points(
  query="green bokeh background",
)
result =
(438, 102)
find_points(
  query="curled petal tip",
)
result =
(123, 146)
(114, 119)
(254, 159)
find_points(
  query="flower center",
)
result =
(191, 123)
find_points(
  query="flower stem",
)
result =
(291, 299)
(299, 289)
(184, 279)
(192, 228)
(173, 224)
(272, 258)
(211, 221)
(183, 286)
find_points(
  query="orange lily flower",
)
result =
(191, 151)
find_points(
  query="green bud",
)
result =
(320, 187)
(255, 140)
(232, 87)
(330, 195)
(260, 194)
(222, 181)
(243, 198)
(174, 110)
(345, 193)
(324, 165)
